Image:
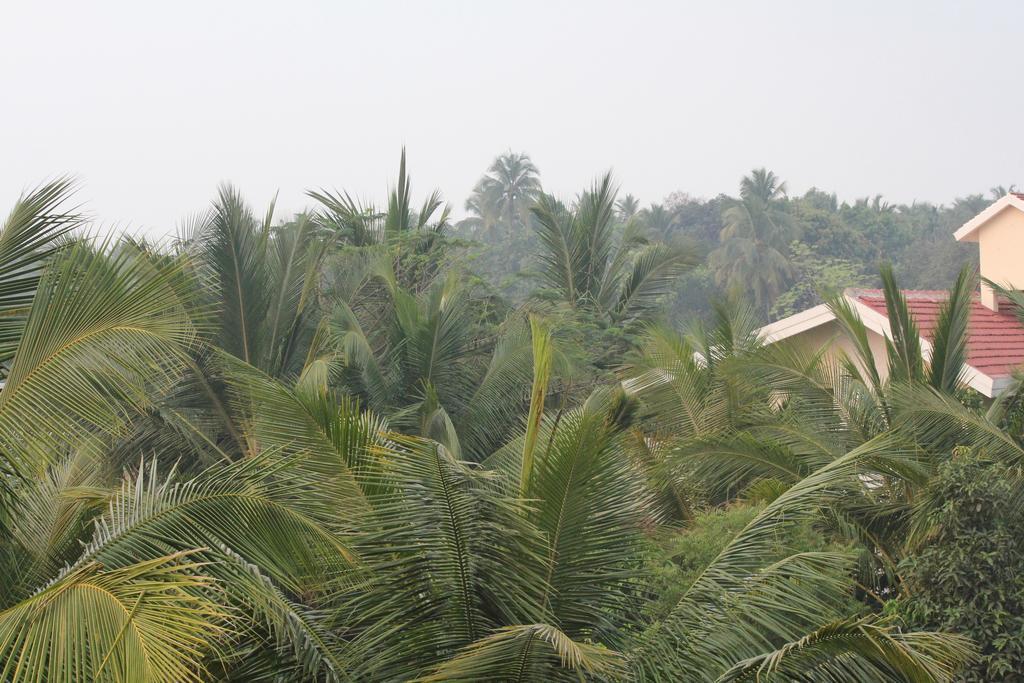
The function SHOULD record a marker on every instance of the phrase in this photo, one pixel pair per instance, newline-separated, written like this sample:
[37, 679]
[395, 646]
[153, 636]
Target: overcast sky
[152, 104]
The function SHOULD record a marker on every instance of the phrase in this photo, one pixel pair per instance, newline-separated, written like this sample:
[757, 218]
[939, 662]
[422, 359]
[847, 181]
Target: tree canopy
[333, 447]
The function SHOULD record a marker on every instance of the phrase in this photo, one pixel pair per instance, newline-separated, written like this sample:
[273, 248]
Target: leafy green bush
[967, 577]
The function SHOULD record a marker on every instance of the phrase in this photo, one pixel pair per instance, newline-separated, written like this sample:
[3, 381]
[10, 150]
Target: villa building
[995, 335]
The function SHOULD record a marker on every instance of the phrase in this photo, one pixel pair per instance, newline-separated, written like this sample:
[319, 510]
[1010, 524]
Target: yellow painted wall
[1001, 246]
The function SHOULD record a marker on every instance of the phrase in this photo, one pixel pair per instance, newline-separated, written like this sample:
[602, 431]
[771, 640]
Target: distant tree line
[779, 252]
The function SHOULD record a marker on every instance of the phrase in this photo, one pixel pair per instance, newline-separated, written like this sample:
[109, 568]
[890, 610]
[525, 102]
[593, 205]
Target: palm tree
[657, 218]
[762, 186]
[695, 397]
[497, 220]
[752, 258]
[584, 264]
[414, 238]
[506, 192]
[1000, 191]
[101, 326]
[254, 289]
[412, 341]
[627, 207]
[260, 279]
[362, 226]
[483, 215]
[425, 359]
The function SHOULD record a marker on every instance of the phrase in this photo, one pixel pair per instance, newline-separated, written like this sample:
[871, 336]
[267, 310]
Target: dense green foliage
[678, 557]
[966, 576]
[326, 449]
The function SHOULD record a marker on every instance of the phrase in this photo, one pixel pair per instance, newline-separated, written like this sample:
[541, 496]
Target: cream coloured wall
[1001, 247]
[830, 336]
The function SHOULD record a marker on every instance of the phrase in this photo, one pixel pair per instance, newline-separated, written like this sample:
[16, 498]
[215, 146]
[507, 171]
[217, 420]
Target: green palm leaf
[252, 507]
[451, 557]
[37, 227]
[497, 404]
[106, 328]
[232, 248]
[146, 621]
[525, 653]
[591, 503]
[652, 274]
[47, 517]
[906, 362]
[560, 258]
[949, 338]
[541, 337]
[325, 436]
[859, 650]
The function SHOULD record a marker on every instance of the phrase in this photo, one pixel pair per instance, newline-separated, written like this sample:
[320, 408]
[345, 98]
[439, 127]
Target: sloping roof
[968, 232]
[995, 341]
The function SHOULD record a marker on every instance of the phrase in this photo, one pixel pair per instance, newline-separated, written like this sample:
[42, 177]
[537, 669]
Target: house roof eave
[968, 232]
[796, 323]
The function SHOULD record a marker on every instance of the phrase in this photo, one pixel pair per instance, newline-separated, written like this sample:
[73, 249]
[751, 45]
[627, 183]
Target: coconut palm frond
[39, 225]
[528, 652]
[949, 338]
[859, 650]
[107, 327]
[150, 620]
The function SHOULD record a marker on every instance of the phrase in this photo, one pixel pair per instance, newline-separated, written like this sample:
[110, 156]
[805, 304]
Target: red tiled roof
[995, 341]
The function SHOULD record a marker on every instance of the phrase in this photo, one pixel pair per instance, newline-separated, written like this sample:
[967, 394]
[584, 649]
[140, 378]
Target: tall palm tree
[763, 186]
[752, 258]
[627, 207]
[585, 263]
[506, 192]
[425, 359]
[657, 218]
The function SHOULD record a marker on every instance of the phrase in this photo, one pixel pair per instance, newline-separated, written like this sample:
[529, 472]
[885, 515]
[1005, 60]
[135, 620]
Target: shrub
[966, 577]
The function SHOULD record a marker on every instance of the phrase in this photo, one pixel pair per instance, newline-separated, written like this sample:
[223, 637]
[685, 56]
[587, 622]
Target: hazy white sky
[152, 104]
